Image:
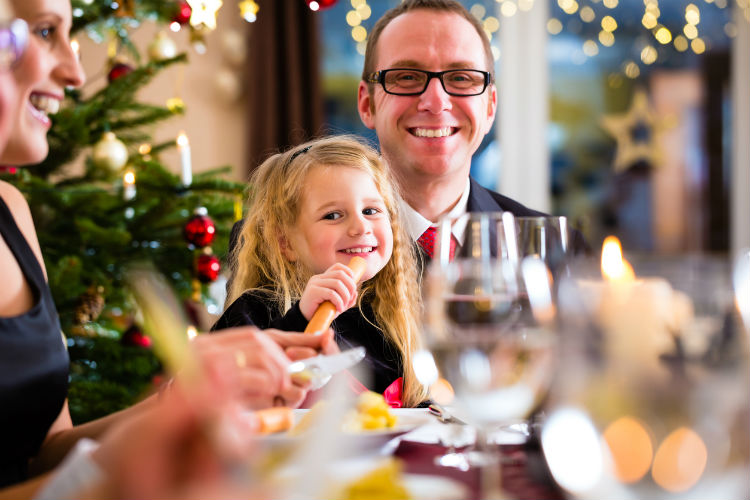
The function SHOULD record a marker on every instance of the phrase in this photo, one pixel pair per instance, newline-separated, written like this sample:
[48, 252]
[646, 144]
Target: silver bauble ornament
[162, 47]
[110, 152]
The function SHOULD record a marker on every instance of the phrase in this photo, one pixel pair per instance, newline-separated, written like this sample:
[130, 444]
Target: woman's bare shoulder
[19, 209]
[18, 206]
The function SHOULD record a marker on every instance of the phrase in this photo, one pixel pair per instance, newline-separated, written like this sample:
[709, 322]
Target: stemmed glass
[497, 365]
[546, 237]
[671, 407]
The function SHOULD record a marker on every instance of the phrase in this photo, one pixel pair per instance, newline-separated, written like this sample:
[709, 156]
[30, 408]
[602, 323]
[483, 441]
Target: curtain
[285, 105]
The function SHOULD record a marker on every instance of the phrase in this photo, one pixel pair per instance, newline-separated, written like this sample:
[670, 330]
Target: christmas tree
[123, 207]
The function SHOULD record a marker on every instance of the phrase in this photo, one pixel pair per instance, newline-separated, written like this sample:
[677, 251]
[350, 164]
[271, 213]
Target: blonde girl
[311, 209]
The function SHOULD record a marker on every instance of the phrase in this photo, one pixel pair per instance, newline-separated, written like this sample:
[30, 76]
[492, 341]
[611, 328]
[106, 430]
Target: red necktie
[427, 242]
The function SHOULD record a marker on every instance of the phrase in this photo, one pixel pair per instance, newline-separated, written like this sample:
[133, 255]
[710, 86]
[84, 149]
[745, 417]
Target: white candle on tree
[183, 145]
[128, 185]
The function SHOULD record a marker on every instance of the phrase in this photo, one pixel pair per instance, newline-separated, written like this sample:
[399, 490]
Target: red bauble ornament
[183, 13]
[118, 70]
[200, 231]
[207, 268]
[133, 336]
[316, 5]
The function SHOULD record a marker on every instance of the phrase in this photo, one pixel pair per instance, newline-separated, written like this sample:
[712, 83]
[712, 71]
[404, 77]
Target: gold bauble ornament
[161, 48]
[110, 152]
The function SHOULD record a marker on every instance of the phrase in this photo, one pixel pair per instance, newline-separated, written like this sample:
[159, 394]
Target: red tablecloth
[524, 472]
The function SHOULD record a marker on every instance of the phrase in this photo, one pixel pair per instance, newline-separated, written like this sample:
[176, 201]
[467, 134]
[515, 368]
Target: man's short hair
[450, 6]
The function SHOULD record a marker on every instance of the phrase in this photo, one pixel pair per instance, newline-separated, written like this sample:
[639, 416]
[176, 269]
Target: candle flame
[129, 177]
[182, 139]
[75, 46]
[614, 266]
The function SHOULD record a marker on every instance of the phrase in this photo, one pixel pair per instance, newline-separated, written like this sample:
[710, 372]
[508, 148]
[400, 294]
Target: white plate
[408, 419]
[428, 487]
[420, 486]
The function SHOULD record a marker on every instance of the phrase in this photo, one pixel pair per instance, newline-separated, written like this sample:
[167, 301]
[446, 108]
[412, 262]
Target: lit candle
[639, 316]
[128, 185]
[183, 145]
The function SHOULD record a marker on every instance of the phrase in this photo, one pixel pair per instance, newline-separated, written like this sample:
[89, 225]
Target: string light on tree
[128, 185]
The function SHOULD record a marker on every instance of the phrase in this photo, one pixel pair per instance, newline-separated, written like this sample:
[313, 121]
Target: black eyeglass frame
[379, 77]
[14, 37]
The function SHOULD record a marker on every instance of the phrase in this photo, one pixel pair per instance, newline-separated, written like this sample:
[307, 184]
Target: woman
[35, 425]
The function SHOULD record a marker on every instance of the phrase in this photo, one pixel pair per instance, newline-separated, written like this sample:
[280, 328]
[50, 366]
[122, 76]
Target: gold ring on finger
[240, 359]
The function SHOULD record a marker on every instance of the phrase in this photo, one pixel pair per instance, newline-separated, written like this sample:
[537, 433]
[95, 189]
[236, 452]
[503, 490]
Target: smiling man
[427, 90]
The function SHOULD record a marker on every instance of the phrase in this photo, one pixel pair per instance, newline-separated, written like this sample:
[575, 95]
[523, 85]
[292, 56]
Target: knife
[318, 370]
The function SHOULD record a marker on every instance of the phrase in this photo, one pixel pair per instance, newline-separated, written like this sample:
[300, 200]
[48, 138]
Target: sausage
[276, 419]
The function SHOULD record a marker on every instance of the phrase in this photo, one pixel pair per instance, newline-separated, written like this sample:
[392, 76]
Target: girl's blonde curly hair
[275, 195]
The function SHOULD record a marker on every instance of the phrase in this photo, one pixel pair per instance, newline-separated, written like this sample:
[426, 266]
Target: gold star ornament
[204, 13]
[635, 132]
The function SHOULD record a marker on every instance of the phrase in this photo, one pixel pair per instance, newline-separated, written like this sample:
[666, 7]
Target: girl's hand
[336, 285]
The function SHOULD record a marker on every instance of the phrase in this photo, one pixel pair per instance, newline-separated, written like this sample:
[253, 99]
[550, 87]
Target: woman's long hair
[276, 190]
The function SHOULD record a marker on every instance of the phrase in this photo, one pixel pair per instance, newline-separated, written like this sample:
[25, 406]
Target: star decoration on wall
[204, 13]
[635, 132]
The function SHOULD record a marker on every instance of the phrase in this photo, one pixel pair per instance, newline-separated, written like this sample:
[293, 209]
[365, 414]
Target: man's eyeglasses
[14, 36]
[408, 81]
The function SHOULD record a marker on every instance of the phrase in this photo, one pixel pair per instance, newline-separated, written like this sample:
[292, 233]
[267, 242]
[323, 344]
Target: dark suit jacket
[482, 199]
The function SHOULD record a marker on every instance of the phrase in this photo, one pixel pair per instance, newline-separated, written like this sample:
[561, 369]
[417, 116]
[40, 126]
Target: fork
[443, 415]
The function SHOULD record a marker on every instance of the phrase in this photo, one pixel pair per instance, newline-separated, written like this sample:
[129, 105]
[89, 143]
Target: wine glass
[672, 406]
[497, 365]
[546, 237]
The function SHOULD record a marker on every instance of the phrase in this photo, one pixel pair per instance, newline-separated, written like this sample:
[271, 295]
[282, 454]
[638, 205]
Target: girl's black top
[382, 362]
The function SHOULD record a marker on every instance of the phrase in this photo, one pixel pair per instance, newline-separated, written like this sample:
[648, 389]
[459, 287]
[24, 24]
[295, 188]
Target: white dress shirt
[416, 223]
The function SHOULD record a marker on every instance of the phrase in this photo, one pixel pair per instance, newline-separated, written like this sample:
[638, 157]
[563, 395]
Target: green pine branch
[82, 122]
[89, 233]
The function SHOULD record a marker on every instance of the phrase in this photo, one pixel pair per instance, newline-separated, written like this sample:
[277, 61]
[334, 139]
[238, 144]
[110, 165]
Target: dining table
[523, 470]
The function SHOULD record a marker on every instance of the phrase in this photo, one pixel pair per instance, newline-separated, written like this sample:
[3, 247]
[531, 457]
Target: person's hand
[253, 363]
[336, 285]
[179, 446]
[300, 346]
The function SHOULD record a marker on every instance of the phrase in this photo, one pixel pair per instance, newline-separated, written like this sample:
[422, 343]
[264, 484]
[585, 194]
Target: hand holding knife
[319, 369]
